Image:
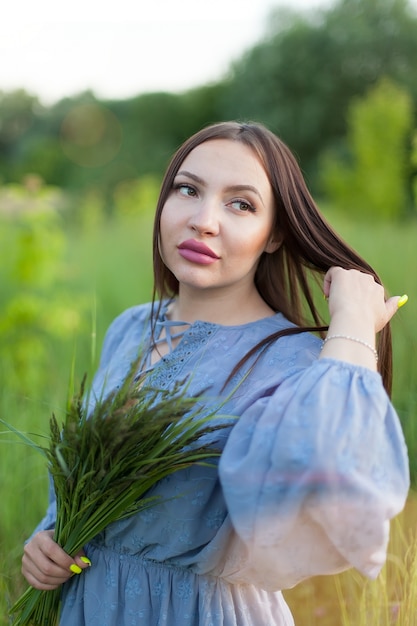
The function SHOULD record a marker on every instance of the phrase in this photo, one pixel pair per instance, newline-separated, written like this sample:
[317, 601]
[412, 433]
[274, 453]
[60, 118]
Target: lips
[197, 246]
[197, 252]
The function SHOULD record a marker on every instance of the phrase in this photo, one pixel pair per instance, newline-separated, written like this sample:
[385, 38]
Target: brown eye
[243, 206]
[186, 190]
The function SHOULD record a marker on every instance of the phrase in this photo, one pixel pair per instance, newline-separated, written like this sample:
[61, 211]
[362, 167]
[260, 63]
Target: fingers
[45, 565]
[326, 283]
[395, 303]
[355, 294]
[82, 560]
[402, 300]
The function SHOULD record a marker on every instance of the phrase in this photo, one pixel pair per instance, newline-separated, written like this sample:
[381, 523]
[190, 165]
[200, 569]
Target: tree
[374, 181]
[18, 110]
[300, 78]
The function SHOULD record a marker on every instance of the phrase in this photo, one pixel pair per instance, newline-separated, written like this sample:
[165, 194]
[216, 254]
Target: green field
[108, 267]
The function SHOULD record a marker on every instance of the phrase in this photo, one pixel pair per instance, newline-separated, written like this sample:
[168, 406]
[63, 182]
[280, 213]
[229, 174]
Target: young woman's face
[218, 218]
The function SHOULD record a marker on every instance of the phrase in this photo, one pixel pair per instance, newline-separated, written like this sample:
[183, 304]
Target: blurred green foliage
[300, 80]
[35, 308]
[414, 167]
[373, 180]
[136, 197]
[301, 77]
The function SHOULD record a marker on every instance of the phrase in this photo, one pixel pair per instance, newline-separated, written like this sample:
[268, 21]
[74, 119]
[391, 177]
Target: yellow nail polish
[403, 300]
[86, 560]
[75, 569]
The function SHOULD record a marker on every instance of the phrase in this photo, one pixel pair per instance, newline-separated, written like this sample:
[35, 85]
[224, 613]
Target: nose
[205, 218]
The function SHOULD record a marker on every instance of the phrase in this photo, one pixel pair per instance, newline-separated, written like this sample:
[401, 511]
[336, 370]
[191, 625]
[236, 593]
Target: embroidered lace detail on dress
[168, 337]
[182, 344]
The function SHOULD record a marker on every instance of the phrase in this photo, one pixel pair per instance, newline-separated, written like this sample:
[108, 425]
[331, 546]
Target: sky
[119, 50]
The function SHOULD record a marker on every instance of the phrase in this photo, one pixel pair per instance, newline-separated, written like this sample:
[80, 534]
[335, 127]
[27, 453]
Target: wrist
[351, 339]
[361, 326]
[357, 340]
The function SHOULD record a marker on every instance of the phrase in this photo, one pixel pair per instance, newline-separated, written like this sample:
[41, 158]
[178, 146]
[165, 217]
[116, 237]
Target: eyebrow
[199, 180]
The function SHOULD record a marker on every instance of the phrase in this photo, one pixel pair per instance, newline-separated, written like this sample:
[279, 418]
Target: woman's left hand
[357, 298]
[358, 310]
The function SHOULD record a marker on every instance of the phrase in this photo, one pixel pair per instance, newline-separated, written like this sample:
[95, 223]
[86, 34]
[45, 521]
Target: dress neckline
[164, 321]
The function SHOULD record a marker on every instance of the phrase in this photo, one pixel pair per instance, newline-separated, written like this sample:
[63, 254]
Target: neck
[219, 308]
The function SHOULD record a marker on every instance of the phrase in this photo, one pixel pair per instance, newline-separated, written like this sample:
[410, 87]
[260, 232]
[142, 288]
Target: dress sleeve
[312, 475]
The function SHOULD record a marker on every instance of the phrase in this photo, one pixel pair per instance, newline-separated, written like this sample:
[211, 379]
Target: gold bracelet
[361, 341]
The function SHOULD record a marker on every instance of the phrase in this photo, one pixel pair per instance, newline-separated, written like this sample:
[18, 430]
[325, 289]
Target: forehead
[226, 157]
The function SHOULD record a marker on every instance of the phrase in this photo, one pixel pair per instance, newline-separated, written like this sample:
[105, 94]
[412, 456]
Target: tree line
[303, 79]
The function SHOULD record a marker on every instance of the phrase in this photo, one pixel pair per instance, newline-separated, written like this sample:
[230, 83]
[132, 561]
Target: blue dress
[310, 475]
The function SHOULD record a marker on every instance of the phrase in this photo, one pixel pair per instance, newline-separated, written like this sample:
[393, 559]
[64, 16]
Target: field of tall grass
[108, 267]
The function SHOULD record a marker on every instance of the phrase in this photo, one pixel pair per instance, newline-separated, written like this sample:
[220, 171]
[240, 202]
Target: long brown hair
[309, 244]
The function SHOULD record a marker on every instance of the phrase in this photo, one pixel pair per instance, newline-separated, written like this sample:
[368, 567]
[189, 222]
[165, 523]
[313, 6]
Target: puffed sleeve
[312, 475]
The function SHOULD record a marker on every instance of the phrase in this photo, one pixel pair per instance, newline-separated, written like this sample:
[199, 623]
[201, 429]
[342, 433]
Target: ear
[273, 244]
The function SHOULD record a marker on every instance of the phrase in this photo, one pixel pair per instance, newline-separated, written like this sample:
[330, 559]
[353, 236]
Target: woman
[315, 466]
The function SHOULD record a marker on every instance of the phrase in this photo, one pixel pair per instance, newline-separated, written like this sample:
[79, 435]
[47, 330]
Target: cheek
[165, 225]
[168, 232]
[169, 218]
[255, 243]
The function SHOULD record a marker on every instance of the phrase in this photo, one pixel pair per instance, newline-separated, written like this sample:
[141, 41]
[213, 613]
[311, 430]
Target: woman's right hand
[45, 565]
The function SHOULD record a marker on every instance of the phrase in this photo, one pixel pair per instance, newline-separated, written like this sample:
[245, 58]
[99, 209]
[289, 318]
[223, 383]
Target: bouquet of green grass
[103, 464]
